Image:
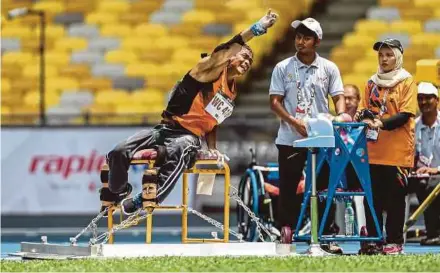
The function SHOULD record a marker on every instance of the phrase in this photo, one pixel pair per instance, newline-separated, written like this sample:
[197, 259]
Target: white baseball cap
[311, 24]
[427, 89]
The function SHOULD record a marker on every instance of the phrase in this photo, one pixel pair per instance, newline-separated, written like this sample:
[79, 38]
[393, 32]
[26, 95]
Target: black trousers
[181, 150]
[432, 213]
[291, 165]
[389, 191]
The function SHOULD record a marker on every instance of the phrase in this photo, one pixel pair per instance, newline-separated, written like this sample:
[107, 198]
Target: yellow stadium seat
[186, 56]
[240, 4]
[71, 43]
[437, 13]
[146, 6]
[17, 32]
[360, 80]
[428, 70]
[121, 56]
[428, 40]
[228, 16]
[50, 6]
[139, 43]
[366, 66]
[113, 6]
[371, 27]
[347, 54]
[78, 71]
[406, 26]
[20, 58]
[426, 3]
[12, 99]
[6, 85]
[139, 109]
[186, 29]
[116, 30]
[149, 96]
[162, 82]
[172, 42]
[420, 14]
[60, 83]
[58, 58]
[207, 43]
[95, 83]
[11, 70]
[100, 18]
[133, 18]
[159, 55]
[6, 110]
[141, 69]
[358, 40]
[33, 71]
[198, 17]
[209, 5]
[80, 6]
[111, 97]
[150, 30]
[33, 98]
[396, 3]
[52, 31]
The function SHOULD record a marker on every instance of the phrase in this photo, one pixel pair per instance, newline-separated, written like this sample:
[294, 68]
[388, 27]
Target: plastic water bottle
[349, 219]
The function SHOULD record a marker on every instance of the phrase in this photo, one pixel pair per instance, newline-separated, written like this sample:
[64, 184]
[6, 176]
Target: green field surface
[428, 262]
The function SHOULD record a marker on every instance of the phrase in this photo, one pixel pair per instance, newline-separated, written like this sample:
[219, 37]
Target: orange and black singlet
[199, 107]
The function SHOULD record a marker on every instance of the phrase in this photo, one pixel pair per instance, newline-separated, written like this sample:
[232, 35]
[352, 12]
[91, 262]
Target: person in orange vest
[199, 103]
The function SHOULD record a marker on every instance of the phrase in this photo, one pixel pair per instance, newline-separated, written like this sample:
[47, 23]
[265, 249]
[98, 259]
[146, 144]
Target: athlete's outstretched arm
[222, 53]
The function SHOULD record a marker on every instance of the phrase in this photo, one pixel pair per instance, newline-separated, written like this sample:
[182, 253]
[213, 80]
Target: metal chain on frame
[251, 214]
[92, 225]
[135, 218]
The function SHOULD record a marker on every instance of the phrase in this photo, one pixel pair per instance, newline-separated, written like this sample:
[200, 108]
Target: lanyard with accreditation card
[304, 107]
[373, 134]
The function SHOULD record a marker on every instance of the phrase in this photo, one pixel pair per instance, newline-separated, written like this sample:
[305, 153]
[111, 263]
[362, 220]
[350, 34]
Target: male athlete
[201, 101]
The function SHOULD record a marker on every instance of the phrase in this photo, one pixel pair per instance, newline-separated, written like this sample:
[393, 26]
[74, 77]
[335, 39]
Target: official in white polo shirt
[428, 156]
[299, 89]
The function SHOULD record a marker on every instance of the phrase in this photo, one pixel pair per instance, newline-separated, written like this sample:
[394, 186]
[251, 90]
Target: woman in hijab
[388, 107]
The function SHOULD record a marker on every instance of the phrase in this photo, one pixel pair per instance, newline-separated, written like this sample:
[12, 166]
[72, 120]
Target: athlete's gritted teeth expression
[241, 62]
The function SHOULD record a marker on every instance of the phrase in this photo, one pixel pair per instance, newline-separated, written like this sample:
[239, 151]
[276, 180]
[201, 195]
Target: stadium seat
[33, 98]
[134, 18]
[121, 57]
[198, 17]
[51, 31]
[76, 98]
[429, 40]
[10, 44]
[11, 31]
[104, 43]
[432, 26]
[83, 30]
[383, 13]
[71, 43]
[371, 27]
[437, 52]
[111, 97]
[95, 84]
[358, 40]
[33, 71]
[78, 71]
[6, 86]
[366, 66]
[396, 3]
[60, 83]
[11, 70]
[420, 14]
[116, 30]
[20, 58]
[86, 57]
[49, 6]
[108, 70]
[141, 69]
[360, 80]
[99, 18]
[148, 96]
[426, 3]
[148, 30]
[406, 26]
[179, 6]
[138, 44]
[57, 58]
[113, 6]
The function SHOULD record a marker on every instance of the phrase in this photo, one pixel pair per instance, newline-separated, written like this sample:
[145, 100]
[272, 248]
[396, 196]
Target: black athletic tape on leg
[161, 155]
